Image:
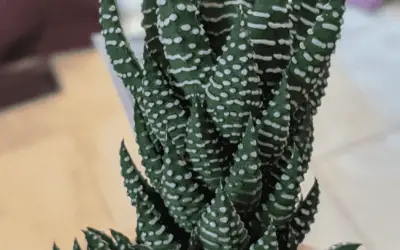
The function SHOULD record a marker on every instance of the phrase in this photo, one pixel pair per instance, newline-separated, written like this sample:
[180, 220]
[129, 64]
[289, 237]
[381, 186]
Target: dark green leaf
[345, 246]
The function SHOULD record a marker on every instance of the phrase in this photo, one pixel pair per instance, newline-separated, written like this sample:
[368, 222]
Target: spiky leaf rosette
[269, 27]
[314, 52]
[163, 109]
[185, 44]
[233, 93]
[273, 131]
[181, 136]
[204, 148]
[267, 241]
[220, 226]
[150, 229]
[244, 183]
[181, 193]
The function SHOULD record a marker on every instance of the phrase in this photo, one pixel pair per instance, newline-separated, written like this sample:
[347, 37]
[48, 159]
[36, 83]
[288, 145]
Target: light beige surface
[60, 171]
[59, 161]
[365, 182]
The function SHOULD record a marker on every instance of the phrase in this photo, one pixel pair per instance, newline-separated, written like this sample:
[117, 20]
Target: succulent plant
[224, 100]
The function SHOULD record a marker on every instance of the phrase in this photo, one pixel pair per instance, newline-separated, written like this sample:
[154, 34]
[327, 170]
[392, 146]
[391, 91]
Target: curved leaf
[244, 183]
[204, 148]
[304, 216]
[118, 48]
[233, 93]
[162, 108]
[182, 195]
[150, 230]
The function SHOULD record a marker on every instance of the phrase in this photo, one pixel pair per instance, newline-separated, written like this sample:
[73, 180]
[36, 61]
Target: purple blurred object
[366, 4]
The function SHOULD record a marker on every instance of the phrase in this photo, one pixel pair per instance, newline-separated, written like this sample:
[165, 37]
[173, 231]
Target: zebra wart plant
[224, 101]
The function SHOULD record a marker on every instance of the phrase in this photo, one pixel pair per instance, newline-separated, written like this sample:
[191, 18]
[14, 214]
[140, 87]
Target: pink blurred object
[366, 4]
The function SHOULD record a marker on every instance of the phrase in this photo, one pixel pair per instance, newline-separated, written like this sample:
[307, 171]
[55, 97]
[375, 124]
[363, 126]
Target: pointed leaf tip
[221, 225]
[345, 246]
[55, 247]
[269, 240]
[76, 245]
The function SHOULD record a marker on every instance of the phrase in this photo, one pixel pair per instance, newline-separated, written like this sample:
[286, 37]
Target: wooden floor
[59, 169]
[59, 160]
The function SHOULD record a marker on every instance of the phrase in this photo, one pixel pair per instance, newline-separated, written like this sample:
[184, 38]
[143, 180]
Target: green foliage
[224, 105]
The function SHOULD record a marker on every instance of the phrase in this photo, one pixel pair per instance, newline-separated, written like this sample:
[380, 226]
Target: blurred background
[63, 114]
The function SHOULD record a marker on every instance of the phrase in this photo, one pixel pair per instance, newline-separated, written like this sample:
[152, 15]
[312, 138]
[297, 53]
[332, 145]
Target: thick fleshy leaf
[217, 18]
[181, 193]
[267, 241]
[244, 183]
[104, 237]
[150, 149]
[220, 226]
[185, 44]
[150, 229]
[305, 13]
[118, 49]
[134, 182]
[76, 245]
[303, 135]
[269, 27]
[137, 186]
[294, 16]
[345, 246]
[95, 242]
[55, 247]
[162, 108]
[204, 147]
[304, 216]
[314, 52]
[319, 89]
[283, 200]
[273, 131]
[233, 93]
[121, 241]
[151, 40]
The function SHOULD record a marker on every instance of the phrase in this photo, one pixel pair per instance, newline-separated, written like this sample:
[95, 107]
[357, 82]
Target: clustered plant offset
[224, 99]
